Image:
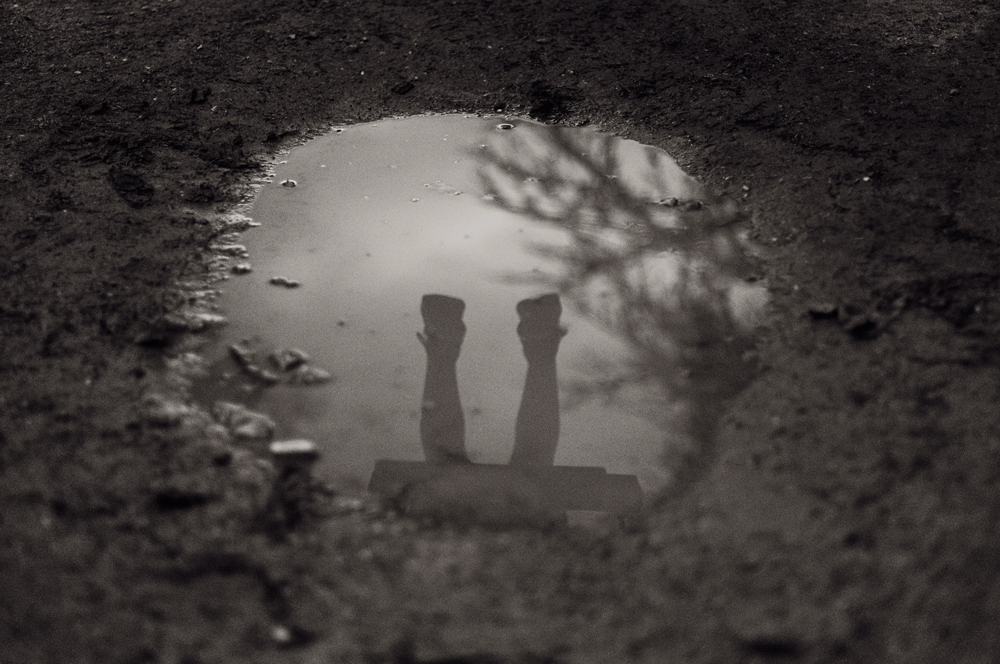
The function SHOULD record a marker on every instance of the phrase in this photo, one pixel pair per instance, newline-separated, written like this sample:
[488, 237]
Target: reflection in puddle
[517, 322]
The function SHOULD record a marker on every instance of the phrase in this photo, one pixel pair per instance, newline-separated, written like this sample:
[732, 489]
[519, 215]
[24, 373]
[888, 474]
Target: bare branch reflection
[650, 257]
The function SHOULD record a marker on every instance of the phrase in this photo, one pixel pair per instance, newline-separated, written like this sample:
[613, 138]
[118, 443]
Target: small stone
[197, 321]
[289, 183]
[692, 205]
[247, 359]
[505, 126]
[669, 202]
[307, 375]
[284, 281]
[224, 411]
[287, 359]
[163, 411]
[242, 268]
[296, 451]
[242, 353]
[236, 222]
[281, 634]
[243, 422]
[237, 250]
[262, 374]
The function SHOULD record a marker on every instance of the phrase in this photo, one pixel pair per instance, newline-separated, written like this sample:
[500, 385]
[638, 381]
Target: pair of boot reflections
[530, 489]
[442, 423]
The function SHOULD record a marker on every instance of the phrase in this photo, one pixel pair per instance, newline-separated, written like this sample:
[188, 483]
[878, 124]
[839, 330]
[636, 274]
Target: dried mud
[861, 138]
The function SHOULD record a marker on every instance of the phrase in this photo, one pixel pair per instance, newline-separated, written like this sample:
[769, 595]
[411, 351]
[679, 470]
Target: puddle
[489, 316]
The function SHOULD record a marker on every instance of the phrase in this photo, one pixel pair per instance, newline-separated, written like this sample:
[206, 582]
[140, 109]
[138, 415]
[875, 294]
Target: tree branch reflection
[648, 255]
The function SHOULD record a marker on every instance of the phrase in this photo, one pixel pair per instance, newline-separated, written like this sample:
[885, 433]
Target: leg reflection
[530, 490]
[442, 424]
[536, 433]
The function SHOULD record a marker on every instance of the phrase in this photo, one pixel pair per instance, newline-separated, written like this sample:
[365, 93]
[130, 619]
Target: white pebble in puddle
[293, 451]
[370, 256]
[237, 250]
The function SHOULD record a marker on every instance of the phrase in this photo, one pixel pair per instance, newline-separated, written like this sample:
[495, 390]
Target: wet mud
[840, 503]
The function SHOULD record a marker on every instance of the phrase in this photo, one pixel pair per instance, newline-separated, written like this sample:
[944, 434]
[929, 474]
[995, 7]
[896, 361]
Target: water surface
[524, 225]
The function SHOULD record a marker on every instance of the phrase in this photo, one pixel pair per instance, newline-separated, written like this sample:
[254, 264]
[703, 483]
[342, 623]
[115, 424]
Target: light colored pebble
[284, 281]
[243, 422]
[281, 634]
[159, 409]
[307, 375]
[237, 250]
[194, 321]
[294, 451]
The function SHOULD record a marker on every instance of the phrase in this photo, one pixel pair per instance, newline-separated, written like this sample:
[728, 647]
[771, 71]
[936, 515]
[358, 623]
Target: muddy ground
[866, 135]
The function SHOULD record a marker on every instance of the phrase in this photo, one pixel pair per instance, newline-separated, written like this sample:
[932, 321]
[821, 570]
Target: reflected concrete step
[555, 487]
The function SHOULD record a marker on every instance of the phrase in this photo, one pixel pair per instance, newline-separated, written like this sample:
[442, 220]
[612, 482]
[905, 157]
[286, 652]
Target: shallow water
[649, 272]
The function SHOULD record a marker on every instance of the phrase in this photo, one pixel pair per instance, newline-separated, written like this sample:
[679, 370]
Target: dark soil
[861, 137]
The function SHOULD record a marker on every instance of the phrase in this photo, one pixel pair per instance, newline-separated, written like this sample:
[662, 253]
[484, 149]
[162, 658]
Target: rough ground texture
[133, 528]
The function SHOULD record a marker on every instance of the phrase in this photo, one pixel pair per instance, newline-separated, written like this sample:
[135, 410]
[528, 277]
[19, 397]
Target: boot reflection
[442, 424]
[536, 433]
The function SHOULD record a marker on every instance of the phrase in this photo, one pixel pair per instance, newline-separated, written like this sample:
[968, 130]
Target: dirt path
[862, 139]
